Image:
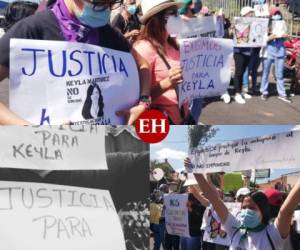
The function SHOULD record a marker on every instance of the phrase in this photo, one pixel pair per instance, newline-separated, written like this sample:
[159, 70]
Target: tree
[199, 135]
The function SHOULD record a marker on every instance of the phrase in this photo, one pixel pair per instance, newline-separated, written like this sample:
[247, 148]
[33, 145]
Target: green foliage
[199, 135]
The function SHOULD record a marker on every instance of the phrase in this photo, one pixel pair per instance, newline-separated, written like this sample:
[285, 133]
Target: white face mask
[276, 17]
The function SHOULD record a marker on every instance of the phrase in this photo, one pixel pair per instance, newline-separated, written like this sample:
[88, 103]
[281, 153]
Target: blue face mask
[131, 9]
[249, 218]
[276, 17]
[92, 18]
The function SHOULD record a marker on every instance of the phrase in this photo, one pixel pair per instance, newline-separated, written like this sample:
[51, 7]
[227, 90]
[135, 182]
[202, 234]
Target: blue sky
[175, 146]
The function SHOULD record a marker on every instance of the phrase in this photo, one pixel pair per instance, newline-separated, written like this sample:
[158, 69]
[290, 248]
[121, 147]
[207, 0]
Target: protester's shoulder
[34, 26]
[231, 224]
[39, 20]
[145, 48]
[118, 18]
[274, 233]
[113, 39]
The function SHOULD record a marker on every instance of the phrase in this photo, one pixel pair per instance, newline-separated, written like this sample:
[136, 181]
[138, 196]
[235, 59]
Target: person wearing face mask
[162, 53]
[274, 53]
[190, 8]
[84, 21]
[241, 59]
[252, 230]
[127, 21]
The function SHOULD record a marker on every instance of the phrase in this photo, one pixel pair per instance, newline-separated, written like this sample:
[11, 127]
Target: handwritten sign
[250, 32]
[53, 148]
[176, 214]
[279, 28]
[208, 26]
[206, 67]
[44, 216]
[52, 82]
[214, 231]
[274, 151]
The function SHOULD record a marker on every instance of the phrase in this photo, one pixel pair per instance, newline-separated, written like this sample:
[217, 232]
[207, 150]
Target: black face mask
[197, 8]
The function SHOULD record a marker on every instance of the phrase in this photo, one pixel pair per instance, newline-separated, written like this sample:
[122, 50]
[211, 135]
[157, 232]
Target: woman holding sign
[84, 21]
[162, 53]
[252, 230]
[275, 53]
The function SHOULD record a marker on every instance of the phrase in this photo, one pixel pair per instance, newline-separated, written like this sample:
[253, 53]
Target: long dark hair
[86, 110]
[154, 32]
[261, 201]
[18, 10]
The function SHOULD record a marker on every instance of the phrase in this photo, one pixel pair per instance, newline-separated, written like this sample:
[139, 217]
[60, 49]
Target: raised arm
[145, 81]
[283, 220]
[201, 198]
[210, 194]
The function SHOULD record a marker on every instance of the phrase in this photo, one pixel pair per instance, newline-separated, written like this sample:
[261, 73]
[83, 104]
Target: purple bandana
[71, 27]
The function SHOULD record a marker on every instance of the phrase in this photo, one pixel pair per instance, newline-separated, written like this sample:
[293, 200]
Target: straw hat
[152, 7]
[246, 10]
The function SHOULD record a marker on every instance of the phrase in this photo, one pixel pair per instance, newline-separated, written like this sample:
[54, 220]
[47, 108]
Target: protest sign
[53, 148]
[176, 214]
[279, 28]
[45, 216]
[250, 32]
[214, 232]
[274, 151]
[208, 26]
[206, 67]
[261, 10]
[52, 82]
[262, 173]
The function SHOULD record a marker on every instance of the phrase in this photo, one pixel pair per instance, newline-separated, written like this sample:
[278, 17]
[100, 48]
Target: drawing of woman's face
[95, 96]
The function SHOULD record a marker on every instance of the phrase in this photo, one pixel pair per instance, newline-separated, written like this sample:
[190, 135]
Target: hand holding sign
[175, 76]
[132, 114]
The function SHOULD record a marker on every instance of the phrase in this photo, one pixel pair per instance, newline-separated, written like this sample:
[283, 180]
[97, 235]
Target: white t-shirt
[254, 241]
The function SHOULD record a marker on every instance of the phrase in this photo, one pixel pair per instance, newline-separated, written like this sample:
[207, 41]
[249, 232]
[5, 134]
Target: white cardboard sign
[206, 67]
[208, 26]
[43, 216]
[53, 82]
[274, 151]
[176, 214]
[250, 32]
[53, 147]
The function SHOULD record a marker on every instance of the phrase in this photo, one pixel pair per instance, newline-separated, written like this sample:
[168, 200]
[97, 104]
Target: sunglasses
[104, 5]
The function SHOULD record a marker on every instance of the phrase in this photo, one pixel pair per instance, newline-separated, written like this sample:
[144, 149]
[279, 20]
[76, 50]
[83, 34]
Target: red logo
[152, 126]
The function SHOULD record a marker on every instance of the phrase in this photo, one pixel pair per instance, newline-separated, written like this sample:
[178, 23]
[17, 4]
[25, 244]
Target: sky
[175, 146]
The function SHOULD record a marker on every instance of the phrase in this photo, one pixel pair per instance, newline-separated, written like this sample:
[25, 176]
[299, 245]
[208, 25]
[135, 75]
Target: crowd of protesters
[139, 27]
[263, 222]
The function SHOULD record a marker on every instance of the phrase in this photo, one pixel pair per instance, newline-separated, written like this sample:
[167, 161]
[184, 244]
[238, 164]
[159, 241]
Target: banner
[207, 26]
[53, 147]
[53, 82]
[176, 214]
[250, 32]
[43, 216]
[206, 67]
[214, 231]
[275, 151]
